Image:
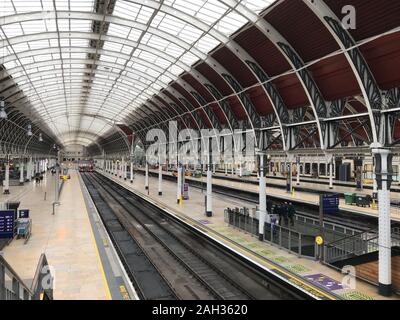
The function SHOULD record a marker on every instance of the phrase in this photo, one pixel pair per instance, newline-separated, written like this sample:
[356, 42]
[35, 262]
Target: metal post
[21, 172]
[262, 199]
[146, 178]
[15, 288]
[178, 184]
[28, 170]
[125, 170]
[131, 168]
[6, 182]
[298, 171]
[375, 185]
[331, 174]
[383, 163]
[159, 178]
[321, 224]
[209, 180]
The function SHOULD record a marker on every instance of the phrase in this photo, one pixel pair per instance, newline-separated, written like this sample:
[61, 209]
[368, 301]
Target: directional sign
[7, 220]
[23, 213]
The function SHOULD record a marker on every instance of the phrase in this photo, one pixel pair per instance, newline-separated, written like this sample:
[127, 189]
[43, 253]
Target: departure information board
[330, 203]
[7, 219]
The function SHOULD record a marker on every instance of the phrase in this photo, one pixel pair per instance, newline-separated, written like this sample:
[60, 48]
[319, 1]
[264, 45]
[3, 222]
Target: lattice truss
[78, 69]
[86, 65]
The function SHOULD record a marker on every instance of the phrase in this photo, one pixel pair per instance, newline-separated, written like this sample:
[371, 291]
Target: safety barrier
[298, 243]
[13, 288]
[357, 245]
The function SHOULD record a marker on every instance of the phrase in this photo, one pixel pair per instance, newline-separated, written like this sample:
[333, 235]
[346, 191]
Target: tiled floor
[194, 209]
[66, 238]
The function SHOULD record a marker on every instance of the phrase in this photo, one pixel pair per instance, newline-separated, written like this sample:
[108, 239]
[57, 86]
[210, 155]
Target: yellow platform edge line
[230, 244]
[103, 274]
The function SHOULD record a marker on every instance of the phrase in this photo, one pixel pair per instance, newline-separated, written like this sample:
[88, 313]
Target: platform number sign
[7, 219]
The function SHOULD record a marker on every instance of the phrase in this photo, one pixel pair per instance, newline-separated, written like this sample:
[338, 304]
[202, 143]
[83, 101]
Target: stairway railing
[357, 245]
[12, 287]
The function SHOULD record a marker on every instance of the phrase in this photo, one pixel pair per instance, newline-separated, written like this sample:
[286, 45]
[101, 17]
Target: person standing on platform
[269, 206]
[291, 213]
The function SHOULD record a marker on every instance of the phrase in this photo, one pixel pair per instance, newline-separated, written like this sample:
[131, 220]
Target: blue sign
[330, 203]
[7, 224]
[23, 213]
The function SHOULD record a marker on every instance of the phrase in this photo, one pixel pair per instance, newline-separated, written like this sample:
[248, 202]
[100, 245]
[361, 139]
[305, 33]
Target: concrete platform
[298, 196]
[267, 256]
[67, 239]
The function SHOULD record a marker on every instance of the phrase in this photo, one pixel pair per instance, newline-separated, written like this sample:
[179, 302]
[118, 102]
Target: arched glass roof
[85, 65]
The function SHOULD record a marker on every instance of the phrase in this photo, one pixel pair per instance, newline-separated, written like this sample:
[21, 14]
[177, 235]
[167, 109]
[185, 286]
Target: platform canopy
[91, 72]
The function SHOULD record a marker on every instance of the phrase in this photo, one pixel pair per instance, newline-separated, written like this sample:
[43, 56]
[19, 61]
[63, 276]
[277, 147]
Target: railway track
[190, 266]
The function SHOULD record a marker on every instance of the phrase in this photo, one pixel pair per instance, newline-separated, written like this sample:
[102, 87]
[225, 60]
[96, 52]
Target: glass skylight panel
[231, 23]
[257, 5]
[80, 25]
[39, 44]
[12, 30]
[125, 9]
[6, 8]
[26, 5]
[206, 43]
[32, 27]
[118, 30]
[79, 5]
[189, 58]
[175, 70]
[144, 15]
[134, 35]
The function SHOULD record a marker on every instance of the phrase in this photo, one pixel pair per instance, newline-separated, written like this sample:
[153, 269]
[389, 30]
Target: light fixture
[40, 137]
[29, 133]
[3, 113]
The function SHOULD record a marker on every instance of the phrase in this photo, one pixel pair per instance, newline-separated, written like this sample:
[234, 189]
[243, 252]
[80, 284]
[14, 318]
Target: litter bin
[363, 200]
[350, 198]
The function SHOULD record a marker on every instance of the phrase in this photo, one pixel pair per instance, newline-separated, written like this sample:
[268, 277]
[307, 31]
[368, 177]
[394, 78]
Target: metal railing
[13, 288]
[286, 238]
[357, 245]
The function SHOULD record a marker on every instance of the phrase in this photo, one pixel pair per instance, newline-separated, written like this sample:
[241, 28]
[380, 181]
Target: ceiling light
[3, 113]
[40, 137]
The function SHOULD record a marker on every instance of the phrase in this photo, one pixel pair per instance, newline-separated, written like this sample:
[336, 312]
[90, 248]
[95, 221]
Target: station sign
[185, 193]
[7, 221]
[24, 213]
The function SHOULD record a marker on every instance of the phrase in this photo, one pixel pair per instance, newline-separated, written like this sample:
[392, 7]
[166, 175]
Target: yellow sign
[319, 240]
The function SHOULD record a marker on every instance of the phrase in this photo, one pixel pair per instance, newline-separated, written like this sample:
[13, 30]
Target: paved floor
[66, 238]
[193, 209]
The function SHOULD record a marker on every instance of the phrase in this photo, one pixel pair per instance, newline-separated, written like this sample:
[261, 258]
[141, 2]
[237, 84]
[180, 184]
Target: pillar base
[209, 214]
[125, 179]
[6, 192]
[385, 290]
[21, 183]
[261, 237]
[330, 188]
[178, 201]
[146, 188]
[131, 181]
[160, 193]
